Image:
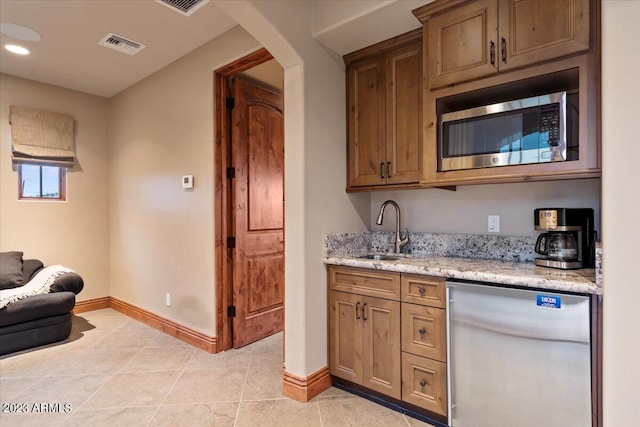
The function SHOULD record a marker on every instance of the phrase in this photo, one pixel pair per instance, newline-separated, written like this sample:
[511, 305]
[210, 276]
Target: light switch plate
[187, 181]
[494, 223]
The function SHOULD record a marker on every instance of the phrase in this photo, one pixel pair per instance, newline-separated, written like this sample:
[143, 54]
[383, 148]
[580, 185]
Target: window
[41, 182]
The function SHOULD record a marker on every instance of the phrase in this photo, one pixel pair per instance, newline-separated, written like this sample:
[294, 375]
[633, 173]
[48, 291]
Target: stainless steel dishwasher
[517, 357]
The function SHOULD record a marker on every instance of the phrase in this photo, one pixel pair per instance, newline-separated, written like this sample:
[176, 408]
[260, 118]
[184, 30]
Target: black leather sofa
[37, 319]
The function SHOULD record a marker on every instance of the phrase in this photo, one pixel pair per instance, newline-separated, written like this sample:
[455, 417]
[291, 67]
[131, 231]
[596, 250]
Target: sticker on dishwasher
[549, 301]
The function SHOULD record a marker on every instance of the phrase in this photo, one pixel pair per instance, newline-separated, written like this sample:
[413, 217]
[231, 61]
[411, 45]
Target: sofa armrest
[71, 282]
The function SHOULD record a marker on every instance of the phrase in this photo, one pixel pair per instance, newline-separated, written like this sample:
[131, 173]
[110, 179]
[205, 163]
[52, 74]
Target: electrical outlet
[168, 300]
[494, 223]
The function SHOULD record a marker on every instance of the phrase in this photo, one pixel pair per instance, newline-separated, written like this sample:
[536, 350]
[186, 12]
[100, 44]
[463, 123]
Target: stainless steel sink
[377, 257]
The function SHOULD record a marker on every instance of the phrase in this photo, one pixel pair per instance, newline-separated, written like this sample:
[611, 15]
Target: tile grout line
[170, 388]
[244, 384]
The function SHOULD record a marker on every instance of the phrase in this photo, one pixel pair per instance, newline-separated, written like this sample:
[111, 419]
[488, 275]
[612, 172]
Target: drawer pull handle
[357, 308]
[364, 313]
[423, 383]
[421, 291]
[421, 331]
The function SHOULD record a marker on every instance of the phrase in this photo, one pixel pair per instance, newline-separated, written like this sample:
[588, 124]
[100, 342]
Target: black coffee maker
[568, 238]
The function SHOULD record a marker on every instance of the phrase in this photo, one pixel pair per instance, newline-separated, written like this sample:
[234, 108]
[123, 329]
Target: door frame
[222, 194]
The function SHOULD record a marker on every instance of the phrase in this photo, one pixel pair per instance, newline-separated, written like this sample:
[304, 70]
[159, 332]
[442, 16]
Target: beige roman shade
[41, 137]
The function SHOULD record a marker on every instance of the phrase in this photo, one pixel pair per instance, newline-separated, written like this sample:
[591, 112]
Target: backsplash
[504, 248]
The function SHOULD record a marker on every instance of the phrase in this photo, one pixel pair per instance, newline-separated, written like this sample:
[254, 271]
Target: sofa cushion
[11, 270]
[30, 267]
[36, 307]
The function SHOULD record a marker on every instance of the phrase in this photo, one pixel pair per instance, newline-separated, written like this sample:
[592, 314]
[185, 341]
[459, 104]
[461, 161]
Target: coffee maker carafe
[568, 238]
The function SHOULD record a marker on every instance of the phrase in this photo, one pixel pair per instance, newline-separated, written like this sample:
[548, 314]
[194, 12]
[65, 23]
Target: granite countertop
[525, 274]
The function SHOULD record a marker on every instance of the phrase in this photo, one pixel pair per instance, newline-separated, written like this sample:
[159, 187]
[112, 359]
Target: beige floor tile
[97, 361]
[28, 365]
[334, 392]
[133, 389]
[104, 319]
[165, 340]
[62, 391]
[128, 338]
[416, 423]
[227, 359]
[10, 387]
[263, 383]
[32, 419]
[195, 415]
[278, 413]
[208, 386]
[348, 411]
[270, 344]
[130, 417]
[158, 359]
[266, 359]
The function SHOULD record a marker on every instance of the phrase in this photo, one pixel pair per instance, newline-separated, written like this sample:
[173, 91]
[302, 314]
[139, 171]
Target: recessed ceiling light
[19, 32]
[16, 49]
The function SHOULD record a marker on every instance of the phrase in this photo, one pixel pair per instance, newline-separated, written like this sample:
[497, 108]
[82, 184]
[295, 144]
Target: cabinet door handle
[492, 52]
[388, 169]
[357, 308]
[421, 331]
[364, 313]
[423, 383]
[381, 172]
[503, 50]
[421, 291]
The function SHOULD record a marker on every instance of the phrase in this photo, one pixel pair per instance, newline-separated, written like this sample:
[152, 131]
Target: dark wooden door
[258, 211]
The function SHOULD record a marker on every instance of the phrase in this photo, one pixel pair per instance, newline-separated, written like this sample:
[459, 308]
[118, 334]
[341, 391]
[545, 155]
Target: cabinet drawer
[423, 290]
[424, 331]
[367, 282]
[424, 383]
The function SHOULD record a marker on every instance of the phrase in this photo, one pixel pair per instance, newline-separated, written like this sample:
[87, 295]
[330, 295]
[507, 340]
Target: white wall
[465, 210]
[74, 233]
[620, 207]
[315, 168]
[162, 236]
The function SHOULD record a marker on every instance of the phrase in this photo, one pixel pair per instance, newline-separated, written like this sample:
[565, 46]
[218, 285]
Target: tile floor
[115, 371]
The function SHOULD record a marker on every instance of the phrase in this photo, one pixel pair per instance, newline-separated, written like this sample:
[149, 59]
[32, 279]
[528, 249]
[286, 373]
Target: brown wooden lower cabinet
[387, 345]
[364, 341]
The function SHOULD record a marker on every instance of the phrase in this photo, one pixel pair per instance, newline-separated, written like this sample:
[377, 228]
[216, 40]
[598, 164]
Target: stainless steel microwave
[532, 130]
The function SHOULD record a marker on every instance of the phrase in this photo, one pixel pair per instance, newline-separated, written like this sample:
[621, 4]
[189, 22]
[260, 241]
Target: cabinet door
[462, 43]
[381, 346]
[404, 112]
[366, 119]
[532, 30]
[345, 336]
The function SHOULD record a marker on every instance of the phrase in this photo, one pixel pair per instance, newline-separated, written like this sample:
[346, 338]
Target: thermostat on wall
[187, 181]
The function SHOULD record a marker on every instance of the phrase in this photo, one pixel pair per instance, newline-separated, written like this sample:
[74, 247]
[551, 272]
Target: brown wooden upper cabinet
[384, 102]
[467, 40]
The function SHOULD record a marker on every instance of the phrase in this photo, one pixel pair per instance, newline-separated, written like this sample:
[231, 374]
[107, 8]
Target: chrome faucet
[400, 242]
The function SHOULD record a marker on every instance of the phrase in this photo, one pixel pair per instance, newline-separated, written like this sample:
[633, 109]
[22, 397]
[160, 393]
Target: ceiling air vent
[121, 44]
[185, 7]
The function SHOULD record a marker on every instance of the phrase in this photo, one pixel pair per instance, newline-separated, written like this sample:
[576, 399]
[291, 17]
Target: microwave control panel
[550, 123]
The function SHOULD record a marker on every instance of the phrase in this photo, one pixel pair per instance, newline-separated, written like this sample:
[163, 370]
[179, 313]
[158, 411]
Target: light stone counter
[481, 270]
